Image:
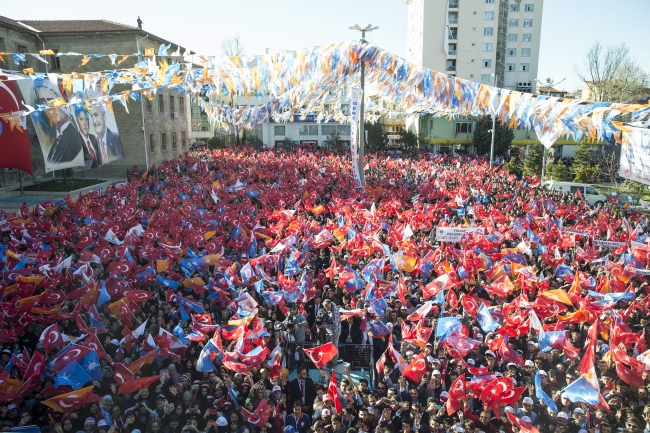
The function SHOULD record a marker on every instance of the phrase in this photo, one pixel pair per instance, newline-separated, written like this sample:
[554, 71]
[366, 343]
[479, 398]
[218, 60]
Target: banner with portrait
[80, 135]
[635, 155]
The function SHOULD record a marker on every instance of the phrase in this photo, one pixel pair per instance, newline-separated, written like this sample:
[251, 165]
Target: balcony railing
[453, 4]
[451, 68]
[452, 52]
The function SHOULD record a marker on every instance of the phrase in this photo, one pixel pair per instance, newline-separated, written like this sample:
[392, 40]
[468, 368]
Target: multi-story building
[489, 41]
[152, 131]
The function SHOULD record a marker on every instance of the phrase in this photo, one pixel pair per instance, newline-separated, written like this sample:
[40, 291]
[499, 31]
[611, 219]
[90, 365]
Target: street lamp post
[494, 126]
[549, 84]
[362, 132]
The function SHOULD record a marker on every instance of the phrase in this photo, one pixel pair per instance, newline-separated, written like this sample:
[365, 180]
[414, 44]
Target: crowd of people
[217, 292]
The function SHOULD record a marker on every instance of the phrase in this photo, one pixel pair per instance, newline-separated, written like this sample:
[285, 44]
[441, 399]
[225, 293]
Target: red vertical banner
[14, 142]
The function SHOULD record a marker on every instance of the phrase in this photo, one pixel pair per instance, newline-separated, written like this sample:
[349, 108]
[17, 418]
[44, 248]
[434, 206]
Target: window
[489, 2]
[163, 141]
[172, 103]
[161, 103]
[525, 52]
[329, 129]
[149, 105]
[174, 143]
[514, 8]
[574, 189]
[486, 78]
[278, 130]
[463, 127]
[512, 52]
[183, 138]
[591, 191]
[513, 23]
[528, 23]
[527, 37]
[489, 15]
[524, 67]
[487, 47]
[529, 8]
[511, 67]
[152, 143]
[488, 31]
[22, 50]
[512, 37]
[2, 44]
[309, 130]
[181, 104]
[487, 63]
[54, 61]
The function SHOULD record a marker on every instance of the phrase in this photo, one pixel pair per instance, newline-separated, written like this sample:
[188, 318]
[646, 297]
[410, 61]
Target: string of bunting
[314, 81]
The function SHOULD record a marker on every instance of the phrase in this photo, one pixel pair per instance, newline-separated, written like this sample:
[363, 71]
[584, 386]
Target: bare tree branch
[233, 47]
[611, 75]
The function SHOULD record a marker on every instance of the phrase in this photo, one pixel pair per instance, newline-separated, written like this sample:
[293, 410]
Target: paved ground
[11, 200]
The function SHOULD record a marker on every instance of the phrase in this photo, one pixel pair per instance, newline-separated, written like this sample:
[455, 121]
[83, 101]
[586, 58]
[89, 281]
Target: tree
[512, 166]
[334, 141]
[534, 160]
[557, 171]
[612, 75]
[233, 47]
[287, 144]
[216, 143]
[408, 139]
[255, 142]
[583, 167]
[482, 138]
[376, 136]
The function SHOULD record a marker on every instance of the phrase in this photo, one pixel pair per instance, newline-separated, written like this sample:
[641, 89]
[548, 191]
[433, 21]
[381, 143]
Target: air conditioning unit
[175, 115]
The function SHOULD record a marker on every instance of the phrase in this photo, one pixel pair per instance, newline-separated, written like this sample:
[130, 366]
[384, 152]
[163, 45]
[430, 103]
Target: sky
[569, 27]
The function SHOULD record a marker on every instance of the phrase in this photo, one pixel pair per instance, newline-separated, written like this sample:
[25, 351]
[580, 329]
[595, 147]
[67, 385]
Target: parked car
[591, 194]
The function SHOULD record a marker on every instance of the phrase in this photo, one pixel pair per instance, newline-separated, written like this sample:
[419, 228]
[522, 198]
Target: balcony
[453, 36]
[453, 5]
[451, 68]
[452, 52]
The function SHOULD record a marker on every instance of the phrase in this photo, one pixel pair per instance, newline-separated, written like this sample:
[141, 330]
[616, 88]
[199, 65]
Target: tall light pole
[549, 84]
[362, 129]
[494, 126]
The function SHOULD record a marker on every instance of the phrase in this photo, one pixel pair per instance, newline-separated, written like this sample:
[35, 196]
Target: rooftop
[76, 26]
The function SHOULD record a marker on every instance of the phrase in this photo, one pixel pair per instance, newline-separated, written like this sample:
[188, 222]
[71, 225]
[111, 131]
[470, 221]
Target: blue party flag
[551, 339]
[485, 319]
[581, 391]
[72, 374]
[378, 328]
[103, 295]
[91, 365]
[167, 283]
[446, 325]
[204, 363]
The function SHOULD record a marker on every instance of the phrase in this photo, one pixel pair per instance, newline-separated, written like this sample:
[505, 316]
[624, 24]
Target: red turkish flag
[74, 353]
[36, 366]
[457, 393]
[512, 397]
[523, 426]
[137, 384]
[72, 401]
[93, 342]
[321, 355]
[416, 369]
[260, 416]
[51, 338]
[494, 391]
[333, 391]
[138, 296]
[14, 142]
[430, 290]
[122, 374]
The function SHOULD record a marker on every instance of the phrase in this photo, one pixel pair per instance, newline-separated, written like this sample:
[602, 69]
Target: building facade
[153, 130]
[495, 42]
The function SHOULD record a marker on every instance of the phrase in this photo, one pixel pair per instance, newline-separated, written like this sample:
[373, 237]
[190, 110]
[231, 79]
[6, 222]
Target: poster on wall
[635, 155]
[14, 142]
[79, 136]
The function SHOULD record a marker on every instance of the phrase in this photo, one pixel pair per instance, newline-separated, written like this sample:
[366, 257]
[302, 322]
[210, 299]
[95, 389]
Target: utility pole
[362, 132]
[549, 84]
[494, 125]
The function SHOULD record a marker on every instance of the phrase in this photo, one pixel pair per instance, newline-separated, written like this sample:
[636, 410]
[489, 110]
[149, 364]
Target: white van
[593, 197]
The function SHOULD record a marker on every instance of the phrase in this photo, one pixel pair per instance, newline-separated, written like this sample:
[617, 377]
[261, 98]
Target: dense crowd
[183, 301]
